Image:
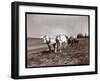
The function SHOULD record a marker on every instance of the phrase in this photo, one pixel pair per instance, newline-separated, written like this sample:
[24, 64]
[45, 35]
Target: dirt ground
[72, 55]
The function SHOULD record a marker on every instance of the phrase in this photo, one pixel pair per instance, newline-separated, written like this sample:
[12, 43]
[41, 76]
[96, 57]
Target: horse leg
[66, 45]
[63, 45]
[57, 46]
[72, 43]
[54, 45]
[49, 47]
[60, 47]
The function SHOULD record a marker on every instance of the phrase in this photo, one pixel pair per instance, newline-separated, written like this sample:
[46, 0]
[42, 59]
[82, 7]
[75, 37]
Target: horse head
[46, 39]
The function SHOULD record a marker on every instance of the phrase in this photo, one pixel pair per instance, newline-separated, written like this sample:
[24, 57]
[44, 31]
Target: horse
[61, 41]
[73, 41]
[76, 41]
[50, 41]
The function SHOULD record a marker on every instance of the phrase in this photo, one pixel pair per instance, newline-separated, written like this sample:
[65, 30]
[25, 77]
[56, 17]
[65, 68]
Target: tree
[80, 35]
[86, 36]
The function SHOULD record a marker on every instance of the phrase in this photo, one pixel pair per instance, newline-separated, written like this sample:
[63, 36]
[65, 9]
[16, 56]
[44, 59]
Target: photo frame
[38, 27]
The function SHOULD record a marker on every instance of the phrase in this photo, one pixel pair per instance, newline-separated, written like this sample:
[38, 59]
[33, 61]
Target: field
[39, 55]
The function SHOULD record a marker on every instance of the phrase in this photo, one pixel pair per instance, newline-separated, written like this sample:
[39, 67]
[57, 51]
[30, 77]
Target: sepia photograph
[52, 40]
[56, 40]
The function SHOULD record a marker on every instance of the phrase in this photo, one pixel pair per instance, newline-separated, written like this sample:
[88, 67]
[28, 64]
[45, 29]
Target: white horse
[50, 41]
[62, 42]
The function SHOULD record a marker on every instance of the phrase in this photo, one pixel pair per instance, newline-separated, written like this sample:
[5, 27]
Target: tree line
[80, 35]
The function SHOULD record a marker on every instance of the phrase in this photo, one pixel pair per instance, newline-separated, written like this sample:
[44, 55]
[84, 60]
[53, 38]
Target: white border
[53, 70]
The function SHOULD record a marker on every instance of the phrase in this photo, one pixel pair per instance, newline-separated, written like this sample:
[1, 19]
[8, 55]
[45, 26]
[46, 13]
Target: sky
[39, 25]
